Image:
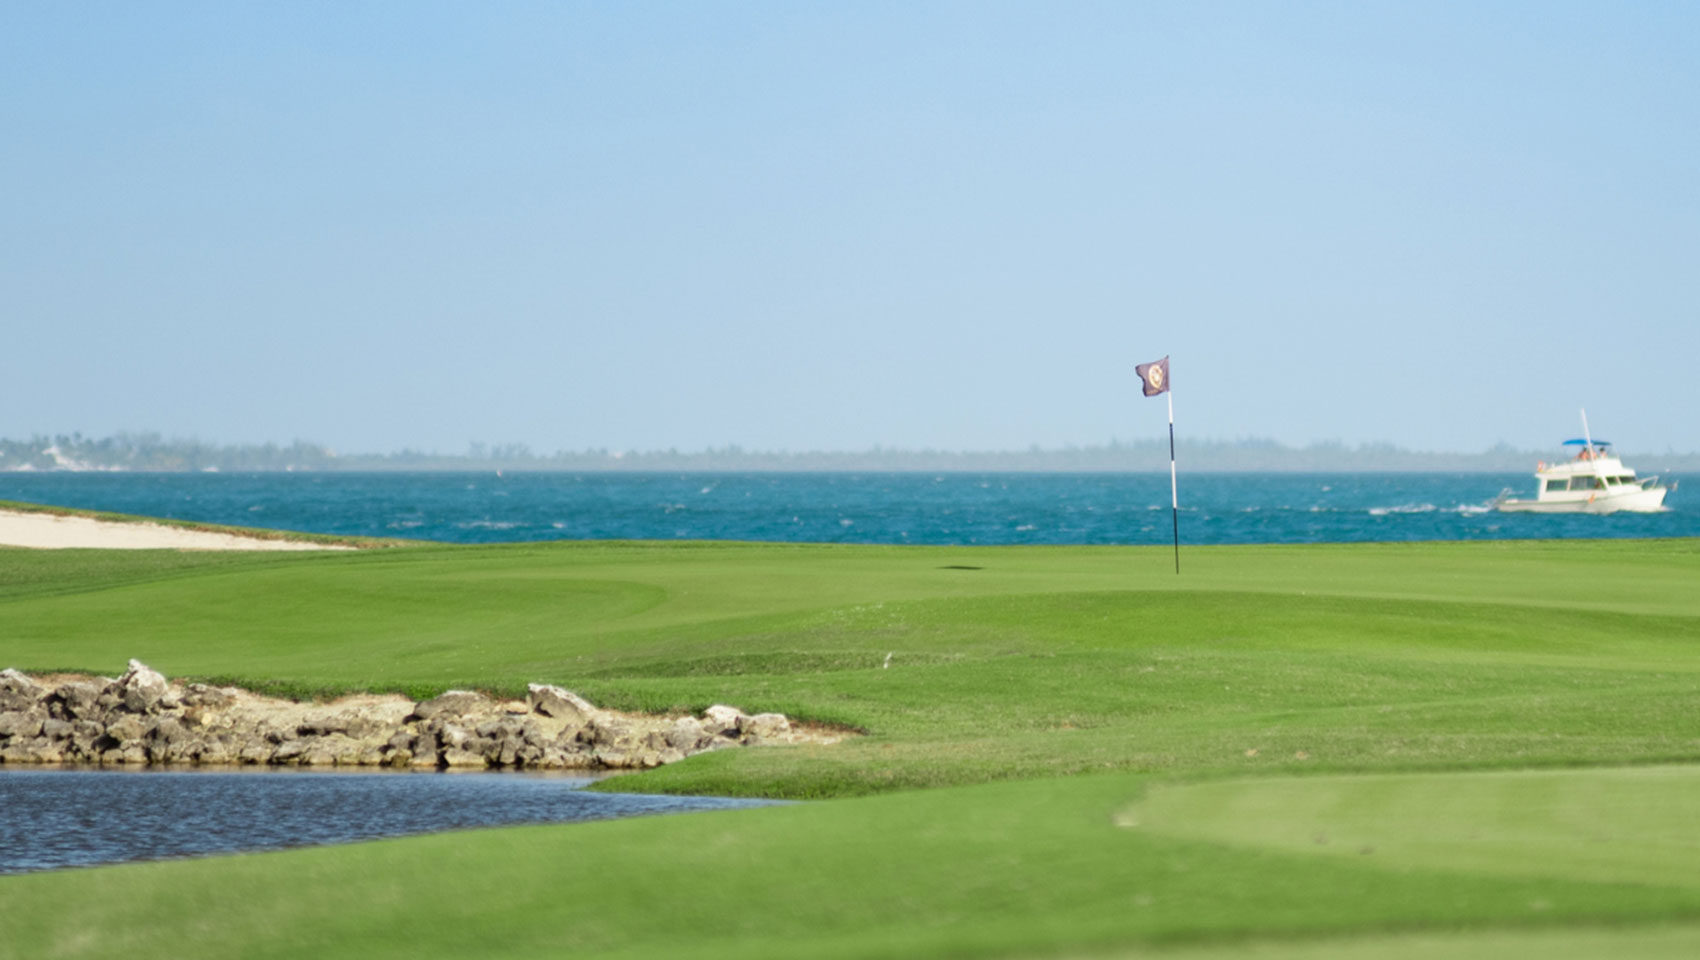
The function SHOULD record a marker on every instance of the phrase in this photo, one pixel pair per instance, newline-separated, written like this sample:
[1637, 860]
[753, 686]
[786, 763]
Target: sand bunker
[49, 532]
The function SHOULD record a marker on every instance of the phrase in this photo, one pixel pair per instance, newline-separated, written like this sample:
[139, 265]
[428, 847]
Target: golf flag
[1154, 376]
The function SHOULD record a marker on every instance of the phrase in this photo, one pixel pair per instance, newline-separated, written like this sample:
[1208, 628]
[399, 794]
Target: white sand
[49, 532]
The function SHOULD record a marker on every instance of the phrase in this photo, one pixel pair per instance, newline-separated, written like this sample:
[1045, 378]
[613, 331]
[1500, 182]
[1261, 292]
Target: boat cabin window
[1555, 486]
[1584, 483]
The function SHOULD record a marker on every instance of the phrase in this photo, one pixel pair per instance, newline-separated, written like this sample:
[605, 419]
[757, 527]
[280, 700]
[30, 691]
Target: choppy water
[72, 818]
[955, 508]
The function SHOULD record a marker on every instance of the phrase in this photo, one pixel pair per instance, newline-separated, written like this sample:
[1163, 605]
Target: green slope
[1000, 870]
[1047, 693]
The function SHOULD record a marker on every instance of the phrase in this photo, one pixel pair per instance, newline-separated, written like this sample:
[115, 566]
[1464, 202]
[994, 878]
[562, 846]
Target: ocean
[946, 508]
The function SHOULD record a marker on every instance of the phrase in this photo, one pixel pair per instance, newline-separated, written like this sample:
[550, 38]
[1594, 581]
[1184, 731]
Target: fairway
[1068, 751]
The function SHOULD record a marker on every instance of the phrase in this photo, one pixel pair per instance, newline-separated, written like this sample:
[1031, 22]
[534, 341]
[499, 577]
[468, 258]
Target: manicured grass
[1016, 869]
[1045, 661]
[1618, 825]
[1232, 713]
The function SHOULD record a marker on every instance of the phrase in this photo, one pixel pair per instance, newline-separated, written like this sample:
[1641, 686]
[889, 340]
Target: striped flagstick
[1174, 489]
[1154, 378]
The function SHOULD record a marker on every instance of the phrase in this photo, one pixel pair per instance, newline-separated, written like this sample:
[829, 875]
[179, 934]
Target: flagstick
[1174, 493]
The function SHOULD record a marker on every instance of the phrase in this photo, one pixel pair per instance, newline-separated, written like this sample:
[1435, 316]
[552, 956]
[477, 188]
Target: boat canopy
[1583, 443]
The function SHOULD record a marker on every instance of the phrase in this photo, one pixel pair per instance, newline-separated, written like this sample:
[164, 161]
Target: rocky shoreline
[141, 718]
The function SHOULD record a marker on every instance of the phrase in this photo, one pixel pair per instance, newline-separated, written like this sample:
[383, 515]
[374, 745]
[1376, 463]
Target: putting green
[1625, 825]
[1658, 942]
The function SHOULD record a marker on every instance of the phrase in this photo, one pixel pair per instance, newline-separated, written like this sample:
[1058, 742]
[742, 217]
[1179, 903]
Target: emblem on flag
[1154, 376]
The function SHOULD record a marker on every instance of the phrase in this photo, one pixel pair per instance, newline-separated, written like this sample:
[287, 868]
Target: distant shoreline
[151, 453]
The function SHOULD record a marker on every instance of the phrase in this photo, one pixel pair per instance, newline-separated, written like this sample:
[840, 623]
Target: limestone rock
[76, 700]
[85, 734]
[203, 695]
[426, 745]
[687, 734]
[18, 725]
[18, 692]
[721, 719]
[454, 736]
[764, 726]
[291, 751]
[255, 751]
[212, 751]
[140, 689]
[129, 727]
[169, 730]
[318, 754]
[140, 718]
[180, 750]
[612, 758]
[360, 726]
[32, 750]
[322, 726]
[553, 701]
[124, 754]
[454, 703]
[613, 732]
[459, 757]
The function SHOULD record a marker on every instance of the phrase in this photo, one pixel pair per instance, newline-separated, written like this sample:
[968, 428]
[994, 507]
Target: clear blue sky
[829, 226]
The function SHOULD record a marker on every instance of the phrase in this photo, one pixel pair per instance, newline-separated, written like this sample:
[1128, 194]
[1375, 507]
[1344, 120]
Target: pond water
[51, 819]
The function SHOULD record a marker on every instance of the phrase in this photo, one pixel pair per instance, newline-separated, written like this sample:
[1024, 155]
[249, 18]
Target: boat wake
[1464, 509]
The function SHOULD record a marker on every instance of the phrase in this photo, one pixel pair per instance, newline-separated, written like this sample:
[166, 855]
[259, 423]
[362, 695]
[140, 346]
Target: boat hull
[1645, 500]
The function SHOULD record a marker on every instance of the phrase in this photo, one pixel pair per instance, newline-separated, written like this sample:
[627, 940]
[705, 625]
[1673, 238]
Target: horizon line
[521, 451]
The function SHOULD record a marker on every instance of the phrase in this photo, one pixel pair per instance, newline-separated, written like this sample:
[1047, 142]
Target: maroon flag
[1154, 376]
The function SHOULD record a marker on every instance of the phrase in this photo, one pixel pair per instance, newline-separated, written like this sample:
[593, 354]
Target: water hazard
[51, 819]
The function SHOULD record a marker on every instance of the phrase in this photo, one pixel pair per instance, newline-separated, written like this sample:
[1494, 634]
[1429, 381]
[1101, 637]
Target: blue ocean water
[950, 508]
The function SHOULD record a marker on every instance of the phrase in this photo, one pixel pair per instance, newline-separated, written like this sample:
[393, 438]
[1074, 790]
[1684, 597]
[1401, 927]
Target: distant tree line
[151, 451]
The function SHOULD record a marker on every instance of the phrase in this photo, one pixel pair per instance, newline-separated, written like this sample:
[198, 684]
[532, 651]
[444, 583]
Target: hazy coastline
[154, 453]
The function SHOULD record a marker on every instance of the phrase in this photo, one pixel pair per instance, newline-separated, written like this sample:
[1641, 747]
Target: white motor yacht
[1592, 481]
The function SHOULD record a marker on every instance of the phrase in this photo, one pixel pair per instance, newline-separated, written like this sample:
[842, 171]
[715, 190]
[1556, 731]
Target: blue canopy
[1583, 443]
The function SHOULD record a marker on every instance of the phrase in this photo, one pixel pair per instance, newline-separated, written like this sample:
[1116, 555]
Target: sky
[811, 226]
